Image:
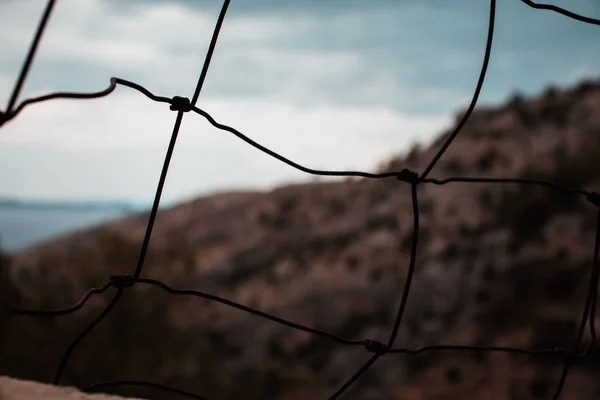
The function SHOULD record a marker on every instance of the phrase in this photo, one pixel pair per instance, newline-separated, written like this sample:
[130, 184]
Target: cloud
[87, 144]
[580, 72]
[332, 89]
[73, 148]
[125, 119]
[293, 57]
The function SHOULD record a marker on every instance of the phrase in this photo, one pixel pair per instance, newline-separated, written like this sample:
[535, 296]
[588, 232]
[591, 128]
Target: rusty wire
[121, 282]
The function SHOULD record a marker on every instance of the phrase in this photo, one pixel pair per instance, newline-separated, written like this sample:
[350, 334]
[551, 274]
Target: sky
[331, 84]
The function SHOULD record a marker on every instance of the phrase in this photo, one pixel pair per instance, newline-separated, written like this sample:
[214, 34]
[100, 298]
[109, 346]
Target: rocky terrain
[497, 264]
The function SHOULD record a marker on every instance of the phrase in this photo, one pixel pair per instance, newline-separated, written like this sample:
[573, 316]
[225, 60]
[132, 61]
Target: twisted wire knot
[408, 176]
[122, 281]
[179, 103]
[373, 346]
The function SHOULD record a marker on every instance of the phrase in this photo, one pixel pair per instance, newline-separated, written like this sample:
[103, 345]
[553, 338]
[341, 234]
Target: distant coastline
[58, 205]
[26, 222]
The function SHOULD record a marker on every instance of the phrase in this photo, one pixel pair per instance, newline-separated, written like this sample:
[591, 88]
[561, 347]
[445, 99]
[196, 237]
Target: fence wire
[183, 105]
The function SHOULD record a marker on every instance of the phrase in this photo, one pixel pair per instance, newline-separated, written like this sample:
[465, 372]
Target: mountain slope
[497, 264]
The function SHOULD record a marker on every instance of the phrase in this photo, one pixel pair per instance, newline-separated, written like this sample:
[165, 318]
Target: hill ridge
[497, 264]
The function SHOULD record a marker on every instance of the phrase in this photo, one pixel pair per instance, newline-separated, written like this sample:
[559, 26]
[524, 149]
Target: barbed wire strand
[465, 117]
[182, 105]
[83, 334]
[115, 282]
[551, 7]
[30, 55]
[588, 304]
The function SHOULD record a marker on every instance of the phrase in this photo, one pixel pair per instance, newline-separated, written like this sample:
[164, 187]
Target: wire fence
[183, 105]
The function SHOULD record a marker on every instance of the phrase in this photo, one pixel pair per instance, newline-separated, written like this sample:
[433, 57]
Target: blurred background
[364, 85]
[329, 84]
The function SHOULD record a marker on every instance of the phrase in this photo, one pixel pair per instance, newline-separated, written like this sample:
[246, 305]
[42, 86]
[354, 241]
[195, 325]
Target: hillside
[497, 264]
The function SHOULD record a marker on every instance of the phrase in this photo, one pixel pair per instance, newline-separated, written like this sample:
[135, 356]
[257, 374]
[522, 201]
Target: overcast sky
[329, 84]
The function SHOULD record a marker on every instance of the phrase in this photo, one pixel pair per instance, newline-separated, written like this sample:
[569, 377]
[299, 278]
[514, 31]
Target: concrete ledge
[17, 389]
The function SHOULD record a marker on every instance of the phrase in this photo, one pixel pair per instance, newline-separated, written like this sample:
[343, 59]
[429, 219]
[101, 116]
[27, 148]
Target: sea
[22, 226]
